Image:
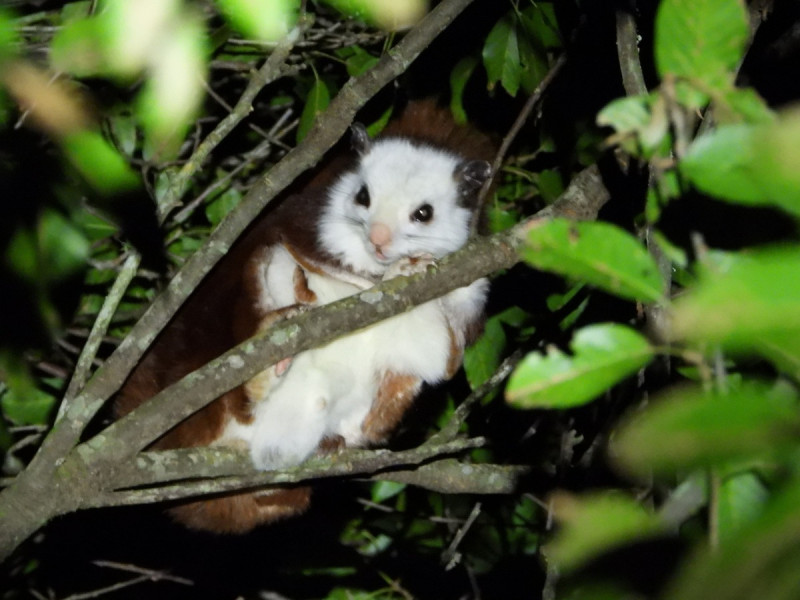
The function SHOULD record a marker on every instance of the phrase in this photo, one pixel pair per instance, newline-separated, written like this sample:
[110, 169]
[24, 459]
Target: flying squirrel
[408, 198]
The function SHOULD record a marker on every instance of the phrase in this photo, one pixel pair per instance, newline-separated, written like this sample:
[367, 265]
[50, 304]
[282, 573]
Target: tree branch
[345, 463]
[325, 132]
[480, 257]
[99, 328]
[22, 514]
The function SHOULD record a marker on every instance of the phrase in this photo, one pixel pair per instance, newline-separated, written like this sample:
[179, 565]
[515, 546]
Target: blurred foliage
[672, 441]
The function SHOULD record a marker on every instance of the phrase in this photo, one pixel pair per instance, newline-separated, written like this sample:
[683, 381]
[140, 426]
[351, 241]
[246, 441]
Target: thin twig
[451, 556]
[269, 72]
[451, 429]
[628, 54]
[144, 575]
[521, 119]
[99, 329]
[154, 575]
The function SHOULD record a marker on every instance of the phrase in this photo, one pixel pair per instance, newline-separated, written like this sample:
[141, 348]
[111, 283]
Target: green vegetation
[653, 399]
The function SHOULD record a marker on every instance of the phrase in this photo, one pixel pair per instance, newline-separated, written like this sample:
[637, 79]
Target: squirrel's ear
[471, 175]
[359, 138]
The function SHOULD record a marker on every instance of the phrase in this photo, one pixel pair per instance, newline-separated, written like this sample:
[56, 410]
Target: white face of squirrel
[402, 199]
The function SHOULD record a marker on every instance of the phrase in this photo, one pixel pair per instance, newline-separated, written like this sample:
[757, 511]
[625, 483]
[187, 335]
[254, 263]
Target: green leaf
[691, 428]
[549, 183]
[317, 101]
[56, 250]
[502, 217]
[745, 300]
[63, 248]
[392, 16]
[22, 255]
[776, 151]
[29, 407]
[749, 164]
[701, 39]
[501, 55]
[626, 114]
[77, 48]
[74, 11]
[9, 41]
[743, 104]
[740, 499]
[644, 117]
[384, 490]
[602, 356]
[598, 253]
[357, 60]
[349, 594]
[123, 130]
[218, 208]
[482, 358]
[173, 92]
[541, 25]
[534, 65]
[720, 163]
[596, 523]
[782, 349]
[458, 81]
[99, 163]
[256, 19]
[760, 561]
[23, 403]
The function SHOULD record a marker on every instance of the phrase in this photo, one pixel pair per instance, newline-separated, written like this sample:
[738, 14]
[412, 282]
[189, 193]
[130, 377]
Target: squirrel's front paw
[276, 454]
[409, 265]
[283, 435]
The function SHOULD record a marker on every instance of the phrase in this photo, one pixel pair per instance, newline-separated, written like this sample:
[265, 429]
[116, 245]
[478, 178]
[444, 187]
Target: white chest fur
[328, 391]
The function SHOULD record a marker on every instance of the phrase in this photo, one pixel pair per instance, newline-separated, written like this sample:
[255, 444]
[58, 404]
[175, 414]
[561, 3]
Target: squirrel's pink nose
[380, 235]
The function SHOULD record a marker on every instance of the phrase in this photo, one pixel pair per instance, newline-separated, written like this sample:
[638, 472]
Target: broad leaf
[541, 24]
[592, 525]
[598, 253]
[721, 163]
[267, 21]
[317, 101]
[602, 356]
[173, 92]
[739, 500]
[701, 39]
[744, 301]
[458, 81]
[358, 60]
[383, 490]
[776, 156]
[482, 358]
[749, 164]
[99, 163]
[692, 428]
[218, 208]
[501, 55]
[644, 117]
[743, 104]
[392, 16]
[9, 40]
[782, 349]
[760, 561]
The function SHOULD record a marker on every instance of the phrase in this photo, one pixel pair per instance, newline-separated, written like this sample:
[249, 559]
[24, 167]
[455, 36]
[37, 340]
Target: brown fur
[395, 395]
[223, 311]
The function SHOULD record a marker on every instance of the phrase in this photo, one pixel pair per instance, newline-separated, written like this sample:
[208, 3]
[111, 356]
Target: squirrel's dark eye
[362, 197]
[423, 214]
